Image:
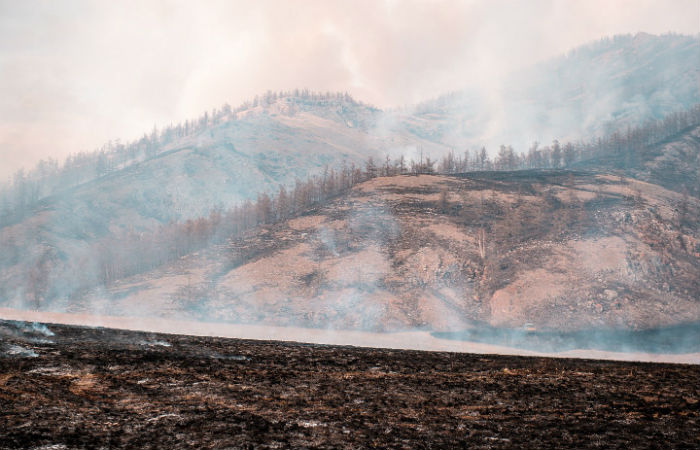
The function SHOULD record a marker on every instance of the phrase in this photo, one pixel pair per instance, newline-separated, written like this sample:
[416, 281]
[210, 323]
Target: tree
[569, 154]
[264, 208]
[387, 167]
[38, 278]
[556, 154]
[483, 159]
[683, 210]
[448, 163]
[513, 160]
[370, 168]
[402, 165]
[534, 156]
[428, 165]
[502, 158]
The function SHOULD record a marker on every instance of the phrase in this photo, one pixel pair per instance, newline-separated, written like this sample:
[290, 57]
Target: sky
[74, 74]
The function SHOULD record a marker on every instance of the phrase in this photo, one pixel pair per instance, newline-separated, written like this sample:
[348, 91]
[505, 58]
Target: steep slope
[561, 250]
[674, 164]
[223, 166]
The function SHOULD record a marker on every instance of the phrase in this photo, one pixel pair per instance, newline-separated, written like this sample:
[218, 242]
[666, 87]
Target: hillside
[674, 164]
[55, 223]
[234, 154]
[95, 255]
[560, 250]
[220, 167]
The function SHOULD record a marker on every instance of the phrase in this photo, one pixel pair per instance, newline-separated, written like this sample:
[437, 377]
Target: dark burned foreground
[101, 388]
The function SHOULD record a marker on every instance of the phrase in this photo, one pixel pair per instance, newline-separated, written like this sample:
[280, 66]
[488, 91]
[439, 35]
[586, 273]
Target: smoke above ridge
[76, 74]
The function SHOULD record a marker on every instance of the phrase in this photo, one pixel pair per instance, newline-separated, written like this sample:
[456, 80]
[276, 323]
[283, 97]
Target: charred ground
[74, 387]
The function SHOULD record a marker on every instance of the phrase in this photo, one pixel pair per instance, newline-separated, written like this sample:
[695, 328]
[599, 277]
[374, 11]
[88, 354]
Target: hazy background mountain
[592, 90]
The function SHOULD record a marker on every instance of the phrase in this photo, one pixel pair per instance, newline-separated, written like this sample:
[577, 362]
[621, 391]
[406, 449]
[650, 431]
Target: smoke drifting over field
[19, 325]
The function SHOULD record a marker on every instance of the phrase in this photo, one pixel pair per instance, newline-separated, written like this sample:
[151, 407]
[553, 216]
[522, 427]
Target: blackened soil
[100, 388]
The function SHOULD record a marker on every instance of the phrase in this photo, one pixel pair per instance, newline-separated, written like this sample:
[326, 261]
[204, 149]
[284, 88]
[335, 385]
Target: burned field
[73, 387]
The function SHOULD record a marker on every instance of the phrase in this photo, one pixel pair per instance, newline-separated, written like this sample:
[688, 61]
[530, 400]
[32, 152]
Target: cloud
[74, 74]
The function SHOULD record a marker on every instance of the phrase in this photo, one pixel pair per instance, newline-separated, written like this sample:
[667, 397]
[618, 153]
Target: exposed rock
[610, 294]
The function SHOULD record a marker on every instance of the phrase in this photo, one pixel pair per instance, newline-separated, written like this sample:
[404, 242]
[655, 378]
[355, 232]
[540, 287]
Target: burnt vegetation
[102, 388]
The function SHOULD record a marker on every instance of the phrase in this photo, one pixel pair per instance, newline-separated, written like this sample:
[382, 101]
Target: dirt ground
[73, 388]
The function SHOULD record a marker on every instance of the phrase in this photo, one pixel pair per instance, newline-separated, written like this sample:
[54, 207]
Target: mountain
[674, 164]
[246, 154]
[56, 221]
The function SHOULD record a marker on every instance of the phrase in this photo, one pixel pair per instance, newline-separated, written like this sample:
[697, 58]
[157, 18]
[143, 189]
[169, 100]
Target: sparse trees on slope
[569, 154]
[370, 168]
[484, 163]
[556, 154]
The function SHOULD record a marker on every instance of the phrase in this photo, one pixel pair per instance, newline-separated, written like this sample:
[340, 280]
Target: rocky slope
[559, 250]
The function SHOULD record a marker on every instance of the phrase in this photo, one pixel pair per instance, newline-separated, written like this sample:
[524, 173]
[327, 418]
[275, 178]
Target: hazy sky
[74, 74]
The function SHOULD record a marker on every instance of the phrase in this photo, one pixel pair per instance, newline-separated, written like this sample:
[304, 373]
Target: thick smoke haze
[75, 74]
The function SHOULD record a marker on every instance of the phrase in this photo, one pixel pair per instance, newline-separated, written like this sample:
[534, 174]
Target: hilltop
[592, 90]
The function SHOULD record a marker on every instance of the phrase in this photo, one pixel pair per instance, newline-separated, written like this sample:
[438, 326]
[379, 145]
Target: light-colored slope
[389, 257]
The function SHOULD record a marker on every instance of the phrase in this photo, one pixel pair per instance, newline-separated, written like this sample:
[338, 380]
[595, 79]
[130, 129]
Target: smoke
[676, 339]
[14, 333]
[77, 74]
[592, 90]
[415, 340]
[354, 291]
